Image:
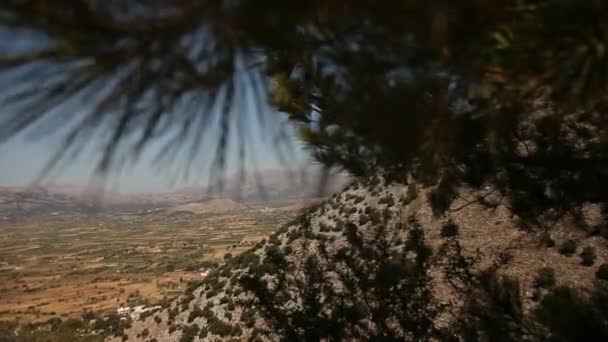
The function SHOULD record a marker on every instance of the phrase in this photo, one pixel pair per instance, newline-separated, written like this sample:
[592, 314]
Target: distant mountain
[36, 199]
[272, 185]
[263, 186]
[211, 206]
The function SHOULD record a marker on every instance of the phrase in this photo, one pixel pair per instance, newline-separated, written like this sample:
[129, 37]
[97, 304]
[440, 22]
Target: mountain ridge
[270, 185]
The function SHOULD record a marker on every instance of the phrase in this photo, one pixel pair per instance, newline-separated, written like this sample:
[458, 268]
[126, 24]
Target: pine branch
[83, 16]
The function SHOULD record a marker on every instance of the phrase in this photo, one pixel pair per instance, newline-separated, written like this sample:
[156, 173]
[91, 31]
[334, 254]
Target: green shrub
[248, 317]
[449, 229]
[158, 320]
[545, 278]
[145, 315]
[255, 334]
[192, 286]
[389, 201]
[363, 219]
[588, 256]
[100, 324]
[207, 313]
[358, 311]
[173, 313]
[186, 301]
[189, 333]
[442, 196]
[275, 256]
[412, 194]
[570, 316]
[602, 272]
[603, 232]
[324, 228]
[88, 316]
[237, 331]
[568, 248]
[547, 240]
[212, 293]
[226, 272]
[349, 210]
[375, 217]
[194, 314]
[218, 327]
[247, 259]
[145, 333]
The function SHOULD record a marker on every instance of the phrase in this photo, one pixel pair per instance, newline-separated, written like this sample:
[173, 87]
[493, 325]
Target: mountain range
[253, 187]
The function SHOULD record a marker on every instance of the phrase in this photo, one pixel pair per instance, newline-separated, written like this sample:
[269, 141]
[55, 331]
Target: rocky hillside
[376, 261]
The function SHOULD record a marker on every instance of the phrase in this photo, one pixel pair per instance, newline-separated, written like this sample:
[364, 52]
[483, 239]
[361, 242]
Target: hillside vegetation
[374, 261]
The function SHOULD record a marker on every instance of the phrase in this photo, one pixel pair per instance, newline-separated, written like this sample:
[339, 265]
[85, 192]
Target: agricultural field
[64, 264]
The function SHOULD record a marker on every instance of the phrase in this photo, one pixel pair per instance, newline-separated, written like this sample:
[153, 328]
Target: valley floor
[62, 265]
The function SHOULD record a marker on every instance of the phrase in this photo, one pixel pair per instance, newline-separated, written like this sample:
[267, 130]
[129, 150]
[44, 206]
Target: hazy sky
[23, 158]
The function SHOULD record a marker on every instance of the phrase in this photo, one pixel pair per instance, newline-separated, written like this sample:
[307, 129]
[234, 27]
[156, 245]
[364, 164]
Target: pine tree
[509, 94]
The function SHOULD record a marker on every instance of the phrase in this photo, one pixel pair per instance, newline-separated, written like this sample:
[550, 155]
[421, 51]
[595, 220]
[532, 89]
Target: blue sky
[23, 158]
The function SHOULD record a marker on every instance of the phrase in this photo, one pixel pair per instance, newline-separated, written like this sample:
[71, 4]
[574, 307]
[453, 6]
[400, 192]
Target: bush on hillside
[602, 272]
[545, 278]
[189, 333]
[449, 229]
[194, 314]
[568, 248]
[588, 256]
